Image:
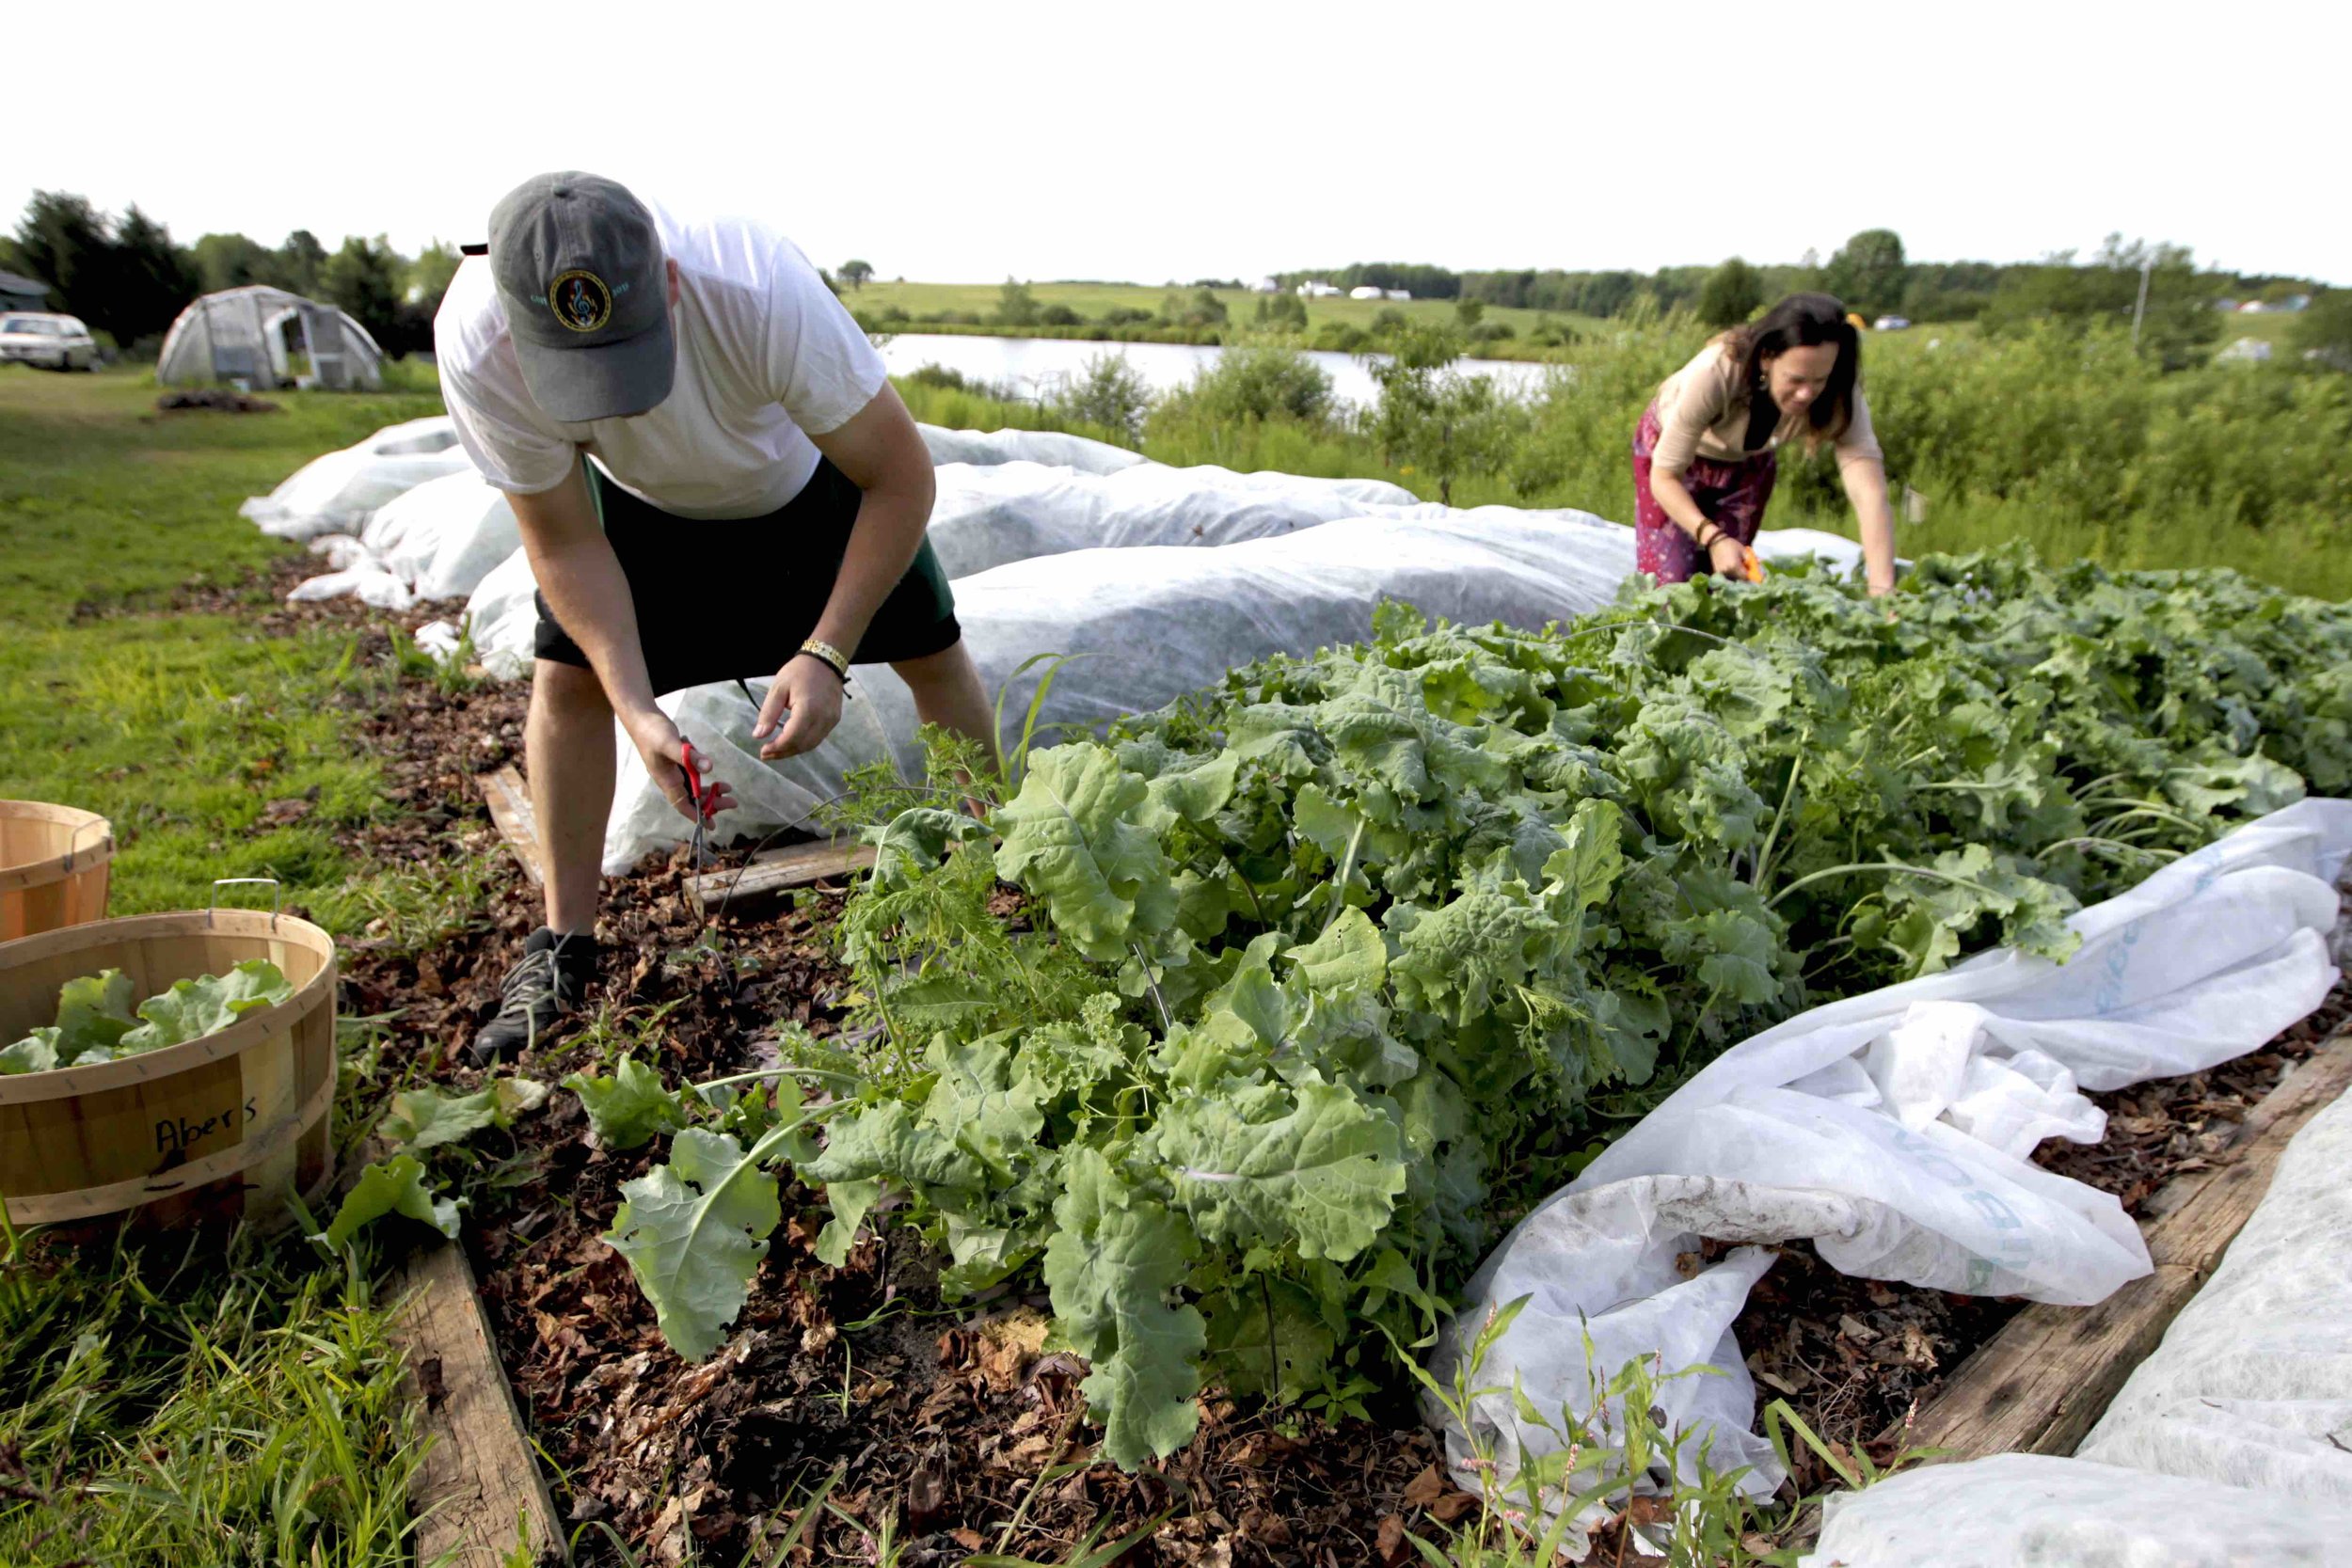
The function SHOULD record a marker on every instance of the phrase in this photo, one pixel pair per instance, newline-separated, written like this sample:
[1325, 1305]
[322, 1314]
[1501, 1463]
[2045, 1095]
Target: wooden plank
[755, 888]
[478, 1489]
[508, 800]
[2040, 1384]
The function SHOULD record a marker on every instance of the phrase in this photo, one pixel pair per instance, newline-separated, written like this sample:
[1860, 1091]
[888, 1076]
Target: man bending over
[714, 479]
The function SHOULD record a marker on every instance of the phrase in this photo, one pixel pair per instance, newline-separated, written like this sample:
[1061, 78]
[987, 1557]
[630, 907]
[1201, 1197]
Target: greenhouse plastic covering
[245, 334]
[1892, 1130]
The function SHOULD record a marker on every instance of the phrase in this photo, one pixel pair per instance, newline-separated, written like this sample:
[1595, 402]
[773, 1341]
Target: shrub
[1251, 383]
[1109, 392]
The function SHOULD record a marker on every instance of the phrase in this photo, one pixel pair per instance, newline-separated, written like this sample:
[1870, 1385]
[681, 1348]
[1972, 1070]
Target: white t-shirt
[765, 355]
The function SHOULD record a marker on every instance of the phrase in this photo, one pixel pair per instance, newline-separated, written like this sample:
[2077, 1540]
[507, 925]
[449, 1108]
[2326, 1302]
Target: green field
[1094, 300]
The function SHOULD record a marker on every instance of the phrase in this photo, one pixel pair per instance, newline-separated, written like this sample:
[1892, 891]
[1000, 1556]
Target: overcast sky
[1151, 142]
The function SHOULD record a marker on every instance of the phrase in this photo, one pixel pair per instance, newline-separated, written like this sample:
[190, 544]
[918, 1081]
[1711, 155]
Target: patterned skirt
[1731, 494]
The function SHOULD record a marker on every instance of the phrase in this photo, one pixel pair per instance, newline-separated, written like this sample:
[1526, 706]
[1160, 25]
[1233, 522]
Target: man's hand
[665, 754]
[806, 695]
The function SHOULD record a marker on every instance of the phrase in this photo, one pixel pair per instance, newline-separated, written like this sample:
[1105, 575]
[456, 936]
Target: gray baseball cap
[579, 266]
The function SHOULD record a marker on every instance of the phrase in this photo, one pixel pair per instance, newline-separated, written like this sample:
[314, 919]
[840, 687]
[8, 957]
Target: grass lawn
[164, 1407]
[181, 726]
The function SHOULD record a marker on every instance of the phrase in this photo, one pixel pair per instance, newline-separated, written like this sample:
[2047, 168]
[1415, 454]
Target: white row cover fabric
[1016, 511]
[1892, 1130]
[2230, 1443]
[396, 469]
[1052, 448]
[2252, 1384]
[365, 581]
[445, 536]
[438, 541]
[502, 615]
[1143, 626]
[2040, 1511]
[335, 493]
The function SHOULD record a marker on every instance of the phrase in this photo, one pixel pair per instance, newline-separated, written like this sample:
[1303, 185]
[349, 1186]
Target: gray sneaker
[538, 993]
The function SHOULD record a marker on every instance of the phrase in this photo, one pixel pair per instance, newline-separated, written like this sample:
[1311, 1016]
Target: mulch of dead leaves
[954, 1430]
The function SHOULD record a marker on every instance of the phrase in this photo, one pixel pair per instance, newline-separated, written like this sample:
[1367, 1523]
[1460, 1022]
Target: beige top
[1703, 412]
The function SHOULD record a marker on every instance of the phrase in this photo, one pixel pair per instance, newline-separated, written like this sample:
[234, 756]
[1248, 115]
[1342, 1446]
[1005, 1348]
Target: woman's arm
[1724, 553]
[1865, 486]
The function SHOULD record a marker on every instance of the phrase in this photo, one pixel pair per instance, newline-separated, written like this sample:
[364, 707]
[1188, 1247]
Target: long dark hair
[1802, 321]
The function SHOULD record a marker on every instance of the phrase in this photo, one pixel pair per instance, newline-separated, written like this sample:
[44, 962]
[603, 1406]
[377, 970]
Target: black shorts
[732, 598]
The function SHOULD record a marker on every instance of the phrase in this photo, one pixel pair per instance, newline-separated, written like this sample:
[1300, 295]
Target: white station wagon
[56, 343]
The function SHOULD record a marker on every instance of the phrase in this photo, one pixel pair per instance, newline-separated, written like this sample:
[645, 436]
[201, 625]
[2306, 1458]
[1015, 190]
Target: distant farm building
[23, 294]
[1315, 288]
[1266, 286]
[1366, 290]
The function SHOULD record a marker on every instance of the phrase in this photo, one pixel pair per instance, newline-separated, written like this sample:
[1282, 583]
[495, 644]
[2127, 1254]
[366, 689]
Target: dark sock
[575, 952]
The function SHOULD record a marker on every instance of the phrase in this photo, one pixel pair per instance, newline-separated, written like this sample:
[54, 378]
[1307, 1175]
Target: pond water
[1038, 366]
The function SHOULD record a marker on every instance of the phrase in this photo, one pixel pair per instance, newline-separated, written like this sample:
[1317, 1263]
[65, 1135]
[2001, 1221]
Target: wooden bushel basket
[54, 865]
[207, 1132]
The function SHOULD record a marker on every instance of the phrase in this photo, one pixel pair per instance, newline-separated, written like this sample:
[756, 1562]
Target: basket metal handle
[219, 882]
[75, 838]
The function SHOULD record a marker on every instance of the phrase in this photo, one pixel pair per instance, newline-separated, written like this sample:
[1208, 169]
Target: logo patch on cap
[580, 300]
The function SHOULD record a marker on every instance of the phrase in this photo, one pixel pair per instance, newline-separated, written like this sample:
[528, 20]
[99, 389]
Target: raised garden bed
[951, 1425]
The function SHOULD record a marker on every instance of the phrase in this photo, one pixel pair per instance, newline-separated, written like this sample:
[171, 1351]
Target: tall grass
[168, 1407]
[2065, 439]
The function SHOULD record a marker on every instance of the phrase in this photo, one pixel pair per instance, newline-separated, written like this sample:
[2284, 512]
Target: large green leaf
[1586, 872]
[36, 1052]
[1259, 1166]
[1181, 786]
[94, 1013]
[1348, 957]
[424, 1117]
[1074, 835]
[977, 1103]
[427, 1118]
[694, 1232]
[912, 842]
[394, 1186]
[893, 1139]
[1115, 1263]
[192, 1010]
[631, 1108]
[1267, 1339]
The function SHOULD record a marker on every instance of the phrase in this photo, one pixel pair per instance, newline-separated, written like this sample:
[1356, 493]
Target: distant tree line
[127, 278]
[1869, 272]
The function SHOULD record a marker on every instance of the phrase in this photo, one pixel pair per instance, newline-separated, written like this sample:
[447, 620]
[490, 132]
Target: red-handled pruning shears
[694, 793]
